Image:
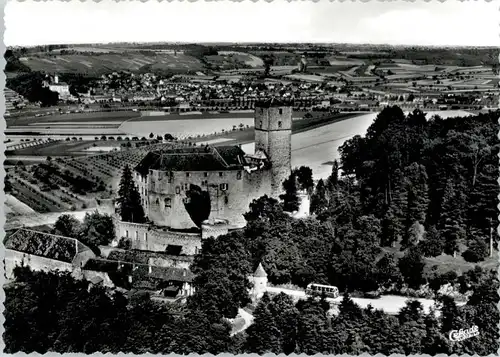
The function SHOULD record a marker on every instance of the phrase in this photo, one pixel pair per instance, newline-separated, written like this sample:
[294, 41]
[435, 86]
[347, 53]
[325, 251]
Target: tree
[67, 225]
[264, 335]
[477, 251]
[411, 266]
[97, 229]
[319, 201]
[129, 199]
[291, 202]
[305, 178]
[387, 271]
[433, 243]
[265, 208]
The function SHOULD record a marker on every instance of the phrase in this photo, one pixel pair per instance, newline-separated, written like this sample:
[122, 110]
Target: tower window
[238, 175]
[187, 174]
[168, 202]
[280, 124]
[281, 111]
[220, 174]
[177, 190]
[205, 174]
[260, 124]
[226, 200]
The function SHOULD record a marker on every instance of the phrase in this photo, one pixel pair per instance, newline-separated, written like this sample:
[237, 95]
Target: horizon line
[254, 43]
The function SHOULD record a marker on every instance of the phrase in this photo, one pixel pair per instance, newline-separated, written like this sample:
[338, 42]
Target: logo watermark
[460, 335]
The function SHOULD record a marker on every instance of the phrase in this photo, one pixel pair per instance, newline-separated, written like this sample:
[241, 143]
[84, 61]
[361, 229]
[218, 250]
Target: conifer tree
[129, 199]
[264, 335]
[452, 225]
[290, 199]
[319, 201]
[333, 179]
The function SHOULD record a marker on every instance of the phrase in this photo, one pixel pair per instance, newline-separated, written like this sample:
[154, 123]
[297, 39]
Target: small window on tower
[280, 124]
[260, 124]
[177, 190]
[238, 175]
[205, 174]
[281, 111]
[187, 174]
[168, 202]
[226, 200]
[220, 174]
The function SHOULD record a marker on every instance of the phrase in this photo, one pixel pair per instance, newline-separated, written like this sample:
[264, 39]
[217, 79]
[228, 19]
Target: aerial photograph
[251, 177]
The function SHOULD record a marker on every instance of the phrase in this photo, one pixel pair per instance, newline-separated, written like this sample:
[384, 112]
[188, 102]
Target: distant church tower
[273, 135]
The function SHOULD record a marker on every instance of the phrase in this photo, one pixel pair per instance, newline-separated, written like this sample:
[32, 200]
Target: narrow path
[248, 318]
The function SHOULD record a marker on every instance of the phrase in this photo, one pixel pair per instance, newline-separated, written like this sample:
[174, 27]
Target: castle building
[218, 183]
[56, 86]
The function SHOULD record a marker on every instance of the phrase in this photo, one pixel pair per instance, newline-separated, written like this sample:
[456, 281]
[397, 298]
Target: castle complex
[209, 188]
[224, 178]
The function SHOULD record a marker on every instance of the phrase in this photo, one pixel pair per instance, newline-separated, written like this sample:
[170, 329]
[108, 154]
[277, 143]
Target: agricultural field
[93, 117]
[60, 185]
[248, 59]
[64, 148]
[100, 63]
[233, 60]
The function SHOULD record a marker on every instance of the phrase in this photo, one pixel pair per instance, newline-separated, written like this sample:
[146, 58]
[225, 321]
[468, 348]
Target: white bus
[318, 290]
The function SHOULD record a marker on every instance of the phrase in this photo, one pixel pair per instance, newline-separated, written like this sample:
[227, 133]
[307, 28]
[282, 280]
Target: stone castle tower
[259, 282]
[273, 136]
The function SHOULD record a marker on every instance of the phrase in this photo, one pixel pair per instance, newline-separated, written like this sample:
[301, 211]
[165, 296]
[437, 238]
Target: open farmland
[72, 184]
[100, 63]
[248, 59]
[117, 116]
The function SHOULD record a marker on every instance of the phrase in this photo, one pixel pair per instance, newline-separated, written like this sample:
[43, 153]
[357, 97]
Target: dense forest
[409, 191]
[47, 312]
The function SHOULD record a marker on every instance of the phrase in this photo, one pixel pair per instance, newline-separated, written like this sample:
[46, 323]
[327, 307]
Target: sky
[448, 23]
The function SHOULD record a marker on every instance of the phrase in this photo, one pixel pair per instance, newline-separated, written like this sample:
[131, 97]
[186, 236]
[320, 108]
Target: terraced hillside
[99, 63]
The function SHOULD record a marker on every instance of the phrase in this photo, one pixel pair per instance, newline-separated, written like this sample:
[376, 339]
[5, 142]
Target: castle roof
[193, 159]
[260, 272]
[45, 245]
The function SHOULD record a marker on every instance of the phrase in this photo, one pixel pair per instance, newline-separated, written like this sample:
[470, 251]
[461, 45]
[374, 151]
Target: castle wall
[166, 262]
[229, 192]
[213, 231]
[144, 237]
[14, 258]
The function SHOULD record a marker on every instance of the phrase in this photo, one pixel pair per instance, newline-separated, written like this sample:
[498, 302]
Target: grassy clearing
[446, 263]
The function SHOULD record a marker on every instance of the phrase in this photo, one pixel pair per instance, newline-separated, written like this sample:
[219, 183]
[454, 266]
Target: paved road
[390, 304]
